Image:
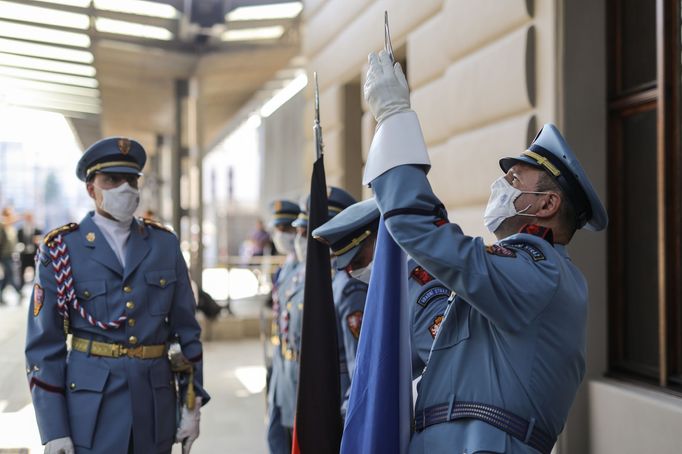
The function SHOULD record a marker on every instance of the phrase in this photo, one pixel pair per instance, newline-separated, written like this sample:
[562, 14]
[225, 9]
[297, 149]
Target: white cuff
[398, 141]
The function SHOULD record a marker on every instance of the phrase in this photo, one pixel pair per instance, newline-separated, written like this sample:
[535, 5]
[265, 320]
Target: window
[644, 181]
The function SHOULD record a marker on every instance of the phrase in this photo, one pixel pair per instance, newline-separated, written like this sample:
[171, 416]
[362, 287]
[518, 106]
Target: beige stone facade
[484, 76]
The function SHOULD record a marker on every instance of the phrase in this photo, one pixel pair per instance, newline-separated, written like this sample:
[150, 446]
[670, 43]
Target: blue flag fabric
[379, 413]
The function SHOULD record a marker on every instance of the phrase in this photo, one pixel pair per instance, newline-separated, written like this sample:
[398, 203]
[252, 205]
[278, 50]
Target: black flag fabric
[318, 424]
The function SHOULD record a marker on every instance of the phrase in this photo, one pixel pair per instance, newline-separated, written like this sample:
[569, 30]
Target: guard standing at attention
[284, 212]
[351, 235]
[509, 355]
[121, 287]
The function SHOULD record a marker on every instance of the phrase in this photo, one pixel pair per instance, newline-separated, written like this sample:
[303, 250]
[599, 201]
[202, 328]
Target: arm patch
[533, 251]
[427, 296]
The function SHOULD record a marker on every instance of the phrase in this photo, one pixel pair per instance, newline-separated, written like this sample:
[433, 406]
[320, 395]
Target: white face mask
[363, 274]
[284, 241]
[501, 203]
[120, 202]
[301, 247]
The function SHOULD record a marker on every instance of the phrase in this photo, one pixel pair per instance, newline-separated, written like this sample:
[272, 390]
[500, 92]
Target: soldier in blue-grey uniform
[509, 355]
[337, 201]
[428, 299]
[351, 236]
[121, 287]
[284, 212]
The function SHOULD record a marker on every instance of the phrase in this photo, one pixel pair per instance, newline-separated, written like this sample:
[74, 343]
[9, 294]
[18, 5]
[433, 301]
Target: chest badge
[90, 237]
[433, 329]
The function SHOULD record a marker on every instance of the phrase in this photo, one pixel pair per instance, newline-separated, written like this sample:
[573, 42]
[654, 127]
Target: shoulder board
[433, 293]
[70, 227]
[157, 225]
[354, 286]
[530, 249]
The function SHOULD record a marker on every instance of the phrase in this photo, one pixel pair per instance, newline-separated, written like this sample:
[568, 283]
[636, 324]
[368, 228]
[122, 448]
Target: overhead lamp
[48, 87]
[284, 95]
[62, 106]
[253, 34]
[43, 34]
[42, 64]
[39, 96]
[140, 7]
[120, 27]
[13, 46]
[76, 3]
[265, 12]
[39, 15]
[57, 78]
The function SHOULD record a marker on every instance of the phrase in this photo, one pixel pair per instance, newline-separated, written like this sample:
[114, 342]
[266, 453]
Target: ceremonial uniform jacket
[428, 299]
[98, 401]
[291, 343]
[282, 288]
[514, 337]
[349, 301]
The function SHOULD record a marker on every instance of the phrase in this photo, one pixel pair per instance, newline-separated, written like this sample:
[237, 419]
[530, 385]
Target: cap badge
[124, 146]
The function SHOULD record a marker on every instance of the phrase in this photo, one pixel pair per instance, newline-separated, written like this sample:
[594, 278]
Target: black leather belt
[497, 417]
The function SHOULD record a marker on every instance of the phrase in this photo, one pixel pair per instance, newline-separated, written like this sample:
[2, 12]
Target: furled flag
[318, 425]
[380, 407]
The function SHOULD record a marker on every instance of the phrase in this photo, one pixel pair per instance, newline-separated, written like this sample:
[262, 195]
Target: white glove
[188, 431]
[59, 446]
[386, 90]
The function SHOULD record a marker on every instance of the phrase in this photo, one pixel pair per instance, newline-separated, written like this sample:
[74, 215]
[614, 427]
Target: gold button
[131, 322]
[127, 289]
[132, 340]
[130, 305]
[86, 294]
[162, 282]
[72, 385]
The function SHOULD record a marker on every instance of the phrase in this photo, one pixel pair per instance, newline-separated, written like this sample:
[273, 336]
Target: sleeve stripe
[437, 211]
[45, 386]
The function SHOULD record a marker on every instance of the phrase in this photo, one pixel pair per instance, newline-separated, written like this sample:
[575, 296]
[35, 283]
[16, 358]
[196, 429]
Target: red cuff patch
[47, 387]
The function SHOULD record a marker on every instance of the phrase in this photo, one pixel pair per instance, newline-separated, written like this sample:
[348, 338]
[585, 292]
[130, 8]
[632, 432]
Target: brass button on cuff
[132, 340]
[130, 305]
[127, 289]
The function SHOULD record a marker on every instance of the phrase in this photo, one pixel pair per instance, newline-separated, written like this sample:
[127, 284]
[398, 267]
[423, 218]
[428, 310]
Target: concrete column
[195, 158]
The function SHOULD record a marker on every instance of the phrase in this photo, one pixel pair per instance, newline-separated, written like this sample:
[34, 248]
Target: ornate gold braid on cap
[354, 242]
[105, 165]
[541, 160]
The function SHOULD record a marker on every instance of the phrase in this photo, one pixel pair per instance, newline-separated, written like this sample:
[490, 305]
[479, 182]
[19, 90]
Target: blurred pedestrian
[8, 257]
[29, 239]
